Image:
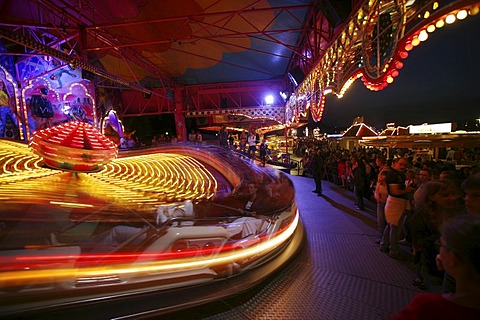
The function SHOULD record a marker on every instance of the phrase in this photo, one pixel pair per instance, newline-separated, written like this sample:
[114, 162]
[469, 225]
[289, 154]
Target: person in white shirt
[252, 144]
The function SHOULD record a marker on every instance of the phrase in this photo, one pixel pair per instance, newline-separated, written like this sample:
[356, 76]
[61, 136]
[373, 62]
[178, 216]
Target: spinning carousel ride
[82, 227]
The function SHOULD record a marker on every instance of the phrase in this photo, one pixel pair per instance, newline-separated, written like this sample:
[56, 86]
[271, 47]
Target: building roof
[359, 130]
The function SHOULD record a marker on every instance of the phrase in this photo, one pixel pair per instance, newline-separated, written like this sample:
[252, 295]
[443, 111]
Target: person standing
[348, 176]
[398, 195]
[154, 142]
[359, 178]
[223, 137]
[381, 195]
[199, 138]
[450, 154]
[381, 163]
[341, 166]
[192, 137]
[263, 152]
[231, 141]
[243, 142]
[42, 109]
[252, 143]
[317, 170]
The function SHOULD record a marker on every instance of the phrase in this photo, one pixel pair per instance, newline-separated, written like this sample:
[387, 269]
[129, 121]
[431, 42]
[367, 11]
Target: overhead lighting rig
[74, 62]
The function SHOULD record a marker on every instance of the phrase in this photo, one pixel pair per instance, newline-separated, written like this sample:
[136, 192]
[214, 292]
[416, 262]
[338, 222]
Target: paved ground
[341, 273]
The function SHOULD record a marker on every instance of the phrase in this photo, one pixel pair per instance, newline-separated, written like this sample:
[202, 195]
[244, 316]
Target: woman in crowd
[460, 257]
[398, 195]
[341, 168]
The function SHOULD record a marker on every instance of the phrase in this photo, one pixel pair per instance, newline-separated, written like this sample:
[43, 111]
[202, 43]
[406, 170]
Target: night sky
[440, 82]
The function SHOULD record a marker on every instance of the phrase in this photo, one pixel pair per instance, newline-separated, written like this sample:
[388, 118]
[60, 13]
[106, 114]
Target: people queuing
[424, 195]
[340, 163]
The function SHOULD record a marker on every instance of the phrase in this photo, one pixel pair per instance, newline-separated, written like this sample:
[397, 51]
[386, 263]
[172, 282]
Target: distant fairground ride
[172, 228]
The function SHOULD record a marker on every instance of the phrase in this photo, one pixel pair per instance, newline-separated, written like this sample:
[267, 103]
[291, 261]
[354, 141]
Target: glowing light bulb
[423, 36]
[450, 19]
[440, 23]
[462, 14]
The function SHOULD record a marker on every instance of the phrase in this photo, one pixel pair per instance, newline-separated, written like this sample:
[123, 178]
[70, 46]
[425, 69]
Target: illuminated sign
[431, 128]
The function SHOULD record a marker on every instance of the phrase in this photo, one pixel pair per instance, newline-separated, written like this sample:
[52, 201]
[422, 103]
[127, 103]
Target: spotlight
[269, 99]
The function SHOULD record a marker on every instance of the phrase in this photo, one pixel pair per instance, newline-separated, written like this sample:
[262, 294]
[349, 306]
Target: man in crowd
[223, 137]
[318, 170]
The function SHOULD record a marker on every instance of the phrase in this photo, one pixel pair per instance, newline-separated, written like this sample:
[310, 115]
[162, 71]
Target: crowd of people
[428, 213]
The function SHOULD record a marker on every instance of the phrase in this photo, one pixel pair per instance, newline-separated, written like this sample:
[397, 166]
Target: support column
[286, 140]
[180, 124]
[22, 113]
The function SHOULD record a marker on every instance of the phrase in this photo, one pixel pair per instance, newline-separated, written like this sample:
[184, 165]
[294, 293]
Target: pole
[286, 140]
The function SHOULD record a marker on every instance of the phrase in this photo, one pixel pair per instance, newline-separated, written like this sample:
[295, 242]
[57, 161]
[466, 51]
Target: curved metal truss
[372, 46]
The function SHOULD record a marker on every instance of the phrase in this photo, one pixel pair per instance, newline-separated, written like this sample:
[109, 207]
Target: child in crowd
[381, 194]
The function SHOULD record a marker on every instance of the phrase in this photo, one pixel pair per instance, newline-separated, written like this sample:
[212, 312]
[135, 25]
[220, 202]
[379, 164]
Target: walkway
[341, 273]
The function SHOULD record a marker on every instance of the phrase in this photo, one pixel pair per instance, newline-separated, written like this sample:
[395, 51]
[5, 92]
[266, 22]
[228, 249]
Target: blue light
[269, 99]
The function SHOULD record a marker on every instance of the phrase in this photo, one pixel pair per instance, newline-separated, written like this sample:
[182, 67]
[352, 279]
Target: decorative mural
[53, 93]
